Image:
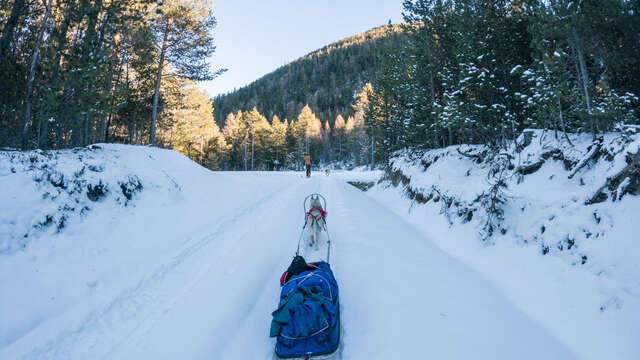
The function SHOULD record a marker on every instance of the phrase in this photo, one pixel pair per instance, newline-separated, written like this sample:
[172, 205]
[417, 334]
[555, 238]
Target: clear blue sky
[255, 37]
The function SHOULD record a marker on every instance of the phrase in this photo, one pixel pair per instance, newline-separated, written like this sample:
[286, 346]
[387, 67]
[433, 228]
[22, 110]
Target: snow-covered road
[212, 297]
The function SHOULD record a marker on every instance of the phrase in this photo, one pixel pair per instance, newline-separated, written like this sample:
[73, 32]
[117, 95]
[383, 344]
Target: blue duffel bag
[307, 321]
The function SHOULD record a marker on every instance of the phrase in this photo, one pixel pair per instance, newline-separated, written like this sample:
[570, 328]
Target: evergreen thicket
[479, 71]
[463, 71]
[76, 72]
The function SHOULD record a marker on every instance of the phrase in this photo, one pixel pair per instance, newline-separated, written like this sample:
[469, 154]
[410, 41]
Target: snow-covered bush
[542, 190]
[52, 189]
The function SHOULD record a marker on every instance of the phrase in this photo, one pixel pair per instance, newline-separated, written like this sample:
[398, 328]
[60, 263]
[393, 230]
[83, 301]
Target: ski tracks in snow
[400, 296]
[121, 321]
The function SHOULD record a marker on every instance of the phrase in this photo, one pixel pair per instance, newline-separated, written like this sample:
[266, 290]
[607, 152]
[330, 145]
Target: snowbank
[143, 245]
[52, 190]
[552, 224]
[81, 228]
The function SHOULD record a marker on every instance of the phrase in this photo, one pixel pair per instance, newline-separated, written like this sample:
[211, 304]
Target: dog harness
[322, 216]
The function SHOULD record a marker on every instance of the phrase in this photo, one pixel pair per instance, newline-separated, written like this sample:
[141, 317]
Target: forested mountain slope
[326, 79]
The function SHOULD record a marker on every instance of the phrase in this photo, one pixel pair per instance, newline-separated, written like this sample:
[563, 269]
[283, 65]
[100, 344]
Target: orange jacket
[307, 160]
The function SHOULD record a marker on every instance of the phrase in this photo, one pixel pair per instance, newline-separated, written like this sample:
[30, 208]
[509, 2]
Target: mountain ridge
[326, 79]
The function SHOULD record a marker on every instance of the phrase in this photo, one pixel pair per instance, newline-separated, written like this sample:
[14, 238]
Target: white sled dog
[315, 222]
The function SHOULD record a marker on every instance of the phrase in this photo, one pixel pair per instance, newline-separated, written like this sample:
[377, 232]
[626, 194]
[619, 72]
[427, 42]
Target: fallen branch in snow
[447, 201]
[418, 196]
[396, 176]
[555, 154]
[494, 199]
[479, 158]
[530, 168]
[627, 181]
[524, 140]
[592, 154]
[361, 185]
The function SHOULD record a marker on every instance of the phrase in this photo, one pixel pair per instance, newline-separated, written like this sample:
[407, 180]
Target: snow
[189, 266]
[585, 291]
[110, 260]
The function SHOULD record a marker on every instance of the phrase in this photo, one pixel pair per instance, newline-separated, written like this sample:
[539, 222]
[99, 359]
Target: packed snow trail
[401, 296]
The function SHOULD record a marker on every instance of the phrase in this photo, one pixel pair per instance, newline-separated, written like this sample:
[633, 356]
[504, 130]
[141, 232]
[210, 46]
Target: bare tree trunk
[433, 101]
[43, 134]
[136, 134]
[133, 129]
[154, 112]
[245, 155]
[51, 109]
[85, 134]
[32, 75]
[372, 149]
[562, 126]
[7, 32]
[39, 131]
[59, 136]
[585, 78]
[106, 128]
[103, 121]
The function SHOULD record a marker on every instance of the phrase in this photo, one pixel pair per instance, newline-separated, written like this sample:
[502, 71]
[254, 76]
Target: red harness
[322, 216]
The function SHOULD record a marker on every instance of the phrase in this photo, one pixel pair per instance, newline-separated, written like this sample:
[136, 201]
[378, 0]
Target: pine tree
[339, 132]
[185, 29]
[308, 133]
[17, 10]
[215, 151]
[326, 142]
[278, 143]
[193, 124]
[234, 134]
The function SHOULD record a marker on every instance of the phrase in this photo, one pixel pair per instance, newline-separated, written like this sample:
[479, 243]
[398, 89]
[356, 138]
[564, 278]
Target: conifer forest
[77, 72]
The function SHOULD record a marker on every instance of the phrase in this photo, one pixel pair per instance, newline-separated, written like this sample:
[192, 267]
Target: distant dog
[326, 171]
[315, 222]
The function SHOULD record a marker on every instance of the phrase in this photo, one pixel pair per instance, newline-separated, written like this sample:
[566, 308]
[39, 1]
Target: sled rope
[328, 247]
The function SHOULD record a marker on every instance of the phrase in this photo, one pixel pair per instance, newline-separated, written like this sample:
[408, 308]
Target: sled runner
[306, 323]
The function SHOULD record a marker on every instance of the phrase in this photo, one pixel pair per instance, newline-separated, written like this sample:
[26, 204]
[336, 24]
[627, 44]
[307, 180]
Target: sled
[306, 323]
